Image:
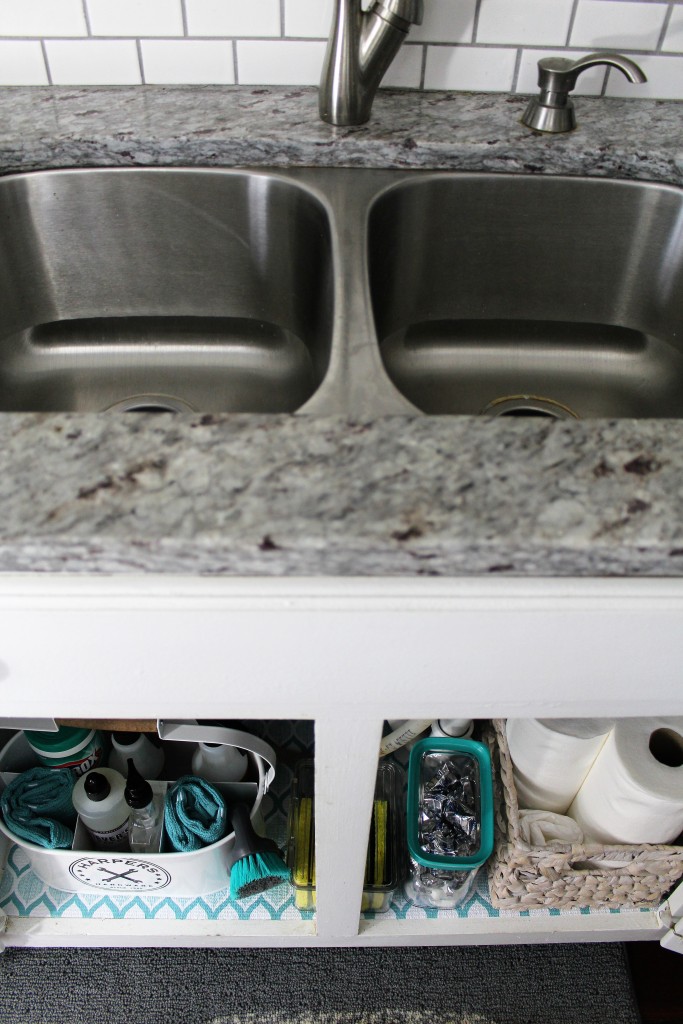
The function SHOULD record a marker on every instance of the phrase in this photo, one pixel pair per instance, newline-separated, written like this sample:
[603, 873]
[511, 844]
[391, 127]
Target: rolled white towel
[538, 828]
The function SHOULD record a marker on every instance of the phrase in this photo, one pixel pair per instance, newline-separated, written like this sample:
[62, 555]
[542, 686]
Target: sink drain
[150, 403]
[529, 405]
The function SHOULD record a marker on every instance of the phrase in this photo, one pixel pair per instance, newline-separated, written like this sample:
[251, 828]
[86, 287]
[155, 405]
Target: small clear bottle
[146, 813]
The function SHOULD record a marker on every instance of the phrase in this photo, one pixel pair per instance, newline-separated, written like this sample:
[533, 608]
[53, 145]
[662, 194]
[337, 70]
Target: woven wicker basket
[563, 875]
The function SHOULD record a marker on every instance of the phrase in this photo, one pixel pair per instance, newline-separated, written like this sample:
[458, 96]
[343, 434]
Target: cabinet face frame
[347, 653]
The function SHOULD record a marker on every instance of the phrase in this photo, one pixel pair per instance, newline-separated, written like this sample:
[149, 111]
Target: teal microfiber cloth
[37, 806]
[194, 815]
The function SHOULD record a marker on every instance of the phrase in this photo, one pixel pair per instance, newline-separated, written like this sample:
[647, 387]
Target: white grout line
[235, 63]
[47, 62]
[138, 44]
[515, 73]
[423, 67]
[572, 19]
[475, 24]
[86, 15]
[665, 26]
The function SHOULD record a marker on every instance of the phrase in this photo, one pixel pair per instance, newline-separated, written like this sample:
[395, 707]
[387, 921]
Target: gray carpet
[567, 984]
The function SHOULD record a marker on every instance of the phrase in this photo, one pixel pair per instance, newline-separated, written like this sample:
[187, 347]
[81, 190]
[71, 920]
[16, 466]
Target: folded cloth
[37, 806]
[538, 828]
[194, 815]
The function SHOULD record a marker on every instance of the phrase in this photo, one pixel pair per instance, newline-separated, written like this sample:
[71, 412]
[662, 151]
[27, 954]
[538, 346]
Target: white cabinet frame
[347, 653]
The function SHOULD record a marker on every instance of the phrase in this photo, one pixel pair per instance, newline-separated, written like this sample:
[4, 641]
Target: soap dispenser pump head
[138, 792]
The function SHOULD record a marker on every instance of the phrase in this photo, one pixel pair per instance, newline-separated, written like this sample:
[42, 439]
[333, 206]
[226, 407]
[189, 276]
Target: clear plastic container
[449, 819]
[384, 864]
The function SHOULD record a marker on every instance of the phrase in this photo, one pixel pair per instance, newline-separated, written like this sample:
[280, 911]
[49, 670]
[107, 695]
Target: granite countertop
[305, 495]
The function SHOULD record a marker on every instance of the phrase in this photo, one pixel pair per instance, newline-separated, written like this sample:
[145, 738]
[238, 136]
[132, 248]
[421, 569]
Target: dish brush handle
[247, 841]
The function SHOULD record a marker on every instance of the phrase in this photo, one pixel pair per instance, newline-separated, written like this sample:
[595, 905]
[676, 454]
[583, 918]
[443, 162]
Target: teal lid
[482, 767]
[66, 738]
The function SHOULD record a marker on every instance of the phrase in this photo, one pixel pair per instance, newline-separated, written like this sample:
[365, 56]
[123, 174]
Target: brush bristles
[252, 875]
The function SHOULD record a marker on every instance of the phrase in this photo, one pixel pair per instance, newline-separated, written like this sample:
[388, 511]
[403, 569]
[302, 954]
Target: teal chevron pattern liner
[23, 894]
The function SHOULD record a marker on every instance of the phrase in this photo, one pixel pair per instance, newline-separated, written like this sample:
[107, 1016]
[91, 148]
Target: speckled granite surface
[277, 495]
[212, 126]
[302, 495]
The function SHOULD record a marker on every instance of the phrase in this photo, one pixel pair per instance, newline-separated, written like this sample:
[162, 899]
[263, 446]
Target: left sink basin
[162, 289]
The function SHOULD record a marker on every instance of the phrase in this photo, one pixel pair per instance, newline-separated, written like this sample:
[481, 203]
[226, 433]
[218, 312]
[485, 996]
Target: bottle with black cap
[99, 799]
[146, 813]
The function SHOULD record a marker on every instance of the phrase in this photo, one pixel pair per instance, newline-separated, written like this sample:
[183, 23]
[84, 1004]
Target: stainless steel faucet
[553, 109]
[361, 47]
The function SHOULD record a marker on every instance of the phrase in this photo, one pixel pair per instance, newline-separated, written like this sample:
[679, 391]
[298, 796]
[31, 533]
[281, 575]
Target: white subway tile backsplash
[93, 61]
[22, 62]
[604, 25]
[488, 45]
[42, 18]
[188, 61]
[589, 83]
[135, 17]
[673, 39]
[446, 22]
[664, 79]
[233, 17]
[406, 70]
[533, 22]
[279, 63]
[469, 68]
[306, 19]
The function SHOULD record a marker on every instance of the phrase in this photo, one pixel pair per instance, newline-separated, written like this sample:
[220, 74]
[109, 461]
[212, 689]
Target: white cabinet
[345, 653]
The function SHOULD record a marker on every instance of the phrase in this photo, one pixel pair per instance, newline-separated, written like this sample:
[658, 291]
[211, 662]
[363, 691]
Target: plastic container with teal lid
[69, 747]
[449, 819]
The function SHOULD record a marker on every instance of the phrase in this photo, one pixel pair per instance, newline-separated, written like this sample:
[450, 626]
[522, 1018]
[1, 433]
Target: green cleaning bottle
[69, 747]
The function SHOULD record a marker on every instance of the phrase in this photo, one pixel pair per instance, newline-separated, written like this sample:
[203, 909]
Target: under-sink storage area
[99, 881]
[350, 656]
[110, 892]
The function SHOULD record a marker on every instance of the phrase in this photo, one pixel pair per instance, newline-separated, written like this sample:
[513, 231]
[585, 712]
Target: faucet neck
[360, 49]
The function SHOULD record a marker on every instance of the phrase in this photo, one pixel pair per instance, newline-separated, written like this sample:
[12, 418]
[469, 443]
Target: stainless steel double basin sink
[328, 291]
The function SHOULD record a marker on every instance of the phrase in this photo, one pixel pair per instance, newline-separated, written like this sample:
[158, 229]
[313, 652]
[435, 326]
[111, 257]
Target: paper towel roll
[634, 791]
[552, 757]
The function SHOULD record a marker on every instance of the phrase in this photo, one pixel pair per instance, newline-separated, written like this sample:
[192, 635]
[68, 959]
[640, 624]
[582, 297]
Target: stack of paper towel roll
[621, 781]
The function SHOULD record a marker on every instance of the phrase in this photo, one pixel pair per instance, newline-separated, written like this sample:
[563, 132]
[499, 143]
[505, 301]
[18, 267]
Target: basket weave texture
[562, 874]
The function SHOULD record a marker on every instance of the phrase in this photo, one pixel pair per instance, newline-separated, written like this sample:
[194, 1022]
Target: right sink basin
[546, 296]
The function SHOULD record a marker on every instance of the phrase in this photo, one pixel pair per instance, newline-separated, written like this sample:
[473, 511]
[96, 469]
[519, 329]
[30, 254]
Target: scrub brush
[258, 865]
